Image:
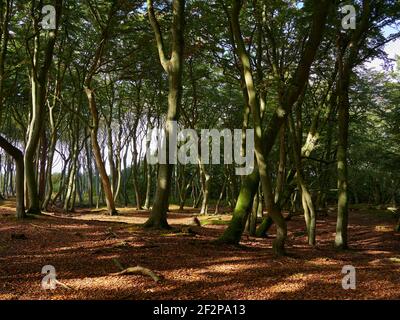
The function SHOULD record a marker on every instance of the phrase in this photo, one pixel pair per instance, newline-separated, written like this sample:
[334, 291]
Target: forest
[293, 194]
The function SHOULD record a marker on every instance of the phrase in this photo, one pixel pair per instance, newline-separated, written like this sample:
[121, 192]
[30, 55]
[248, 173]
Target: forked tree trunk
[38, 78]
[265, 179]
[173, 67]
[105, 181]
[265, 142]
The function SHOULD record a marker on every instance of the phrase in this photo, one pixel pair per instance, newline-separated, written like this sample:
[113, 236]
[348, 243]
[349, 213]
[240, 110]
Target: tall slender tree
[173, 67]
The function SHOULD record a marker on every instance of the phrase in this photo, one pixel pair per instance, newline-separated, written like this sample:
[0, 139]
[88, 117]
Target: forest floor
[83, 249]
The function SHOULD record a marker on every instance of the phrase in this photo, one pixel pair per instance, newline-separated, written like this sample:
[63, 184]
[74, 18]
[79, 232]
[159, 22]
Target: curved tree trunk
[233, 233]
[174, 68]
[98, 157]
[105, 181]
[38, 78]
[19, 178]
[265, 141]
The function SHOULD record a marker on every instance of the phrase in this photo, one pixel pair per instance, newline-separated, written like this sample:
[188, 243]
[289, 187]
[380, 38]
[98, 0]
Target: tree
[94, 127]
[264, 141]
[173, 67]
[38, 79]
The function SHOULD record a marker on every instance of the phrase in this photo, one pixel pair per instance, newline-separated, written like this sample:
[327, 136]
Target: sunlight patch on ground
[322, 261]
[7, 204]
[287, 287]
[383, 229]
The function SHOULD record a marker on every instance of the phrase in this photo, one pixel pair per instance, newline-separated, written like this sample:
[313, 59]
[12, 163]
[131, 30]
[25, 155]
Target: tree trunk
[263, 228]
[42, 165]
[134, 168]
[19, 179]
[397, 229]
[233, 233]
[105, 181]
[347, 52]
[342, 214]
[71, 184]
[308, 206]
[205, 184]
[264, 142]
[38, 92]
[147, 172]
[62, 182]
[174, 68]
[253, 216]
[97, 155]
[221, 194]
[89, 173]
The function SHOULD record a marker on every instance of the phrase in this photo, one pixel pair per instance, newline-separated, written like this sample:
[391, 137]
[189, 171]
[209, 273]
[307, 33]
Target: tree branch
[157, 31]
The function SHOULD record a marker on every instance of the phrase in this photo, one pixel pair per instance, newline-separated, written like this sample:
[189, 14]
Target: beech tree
[173, 67]
[73, 128]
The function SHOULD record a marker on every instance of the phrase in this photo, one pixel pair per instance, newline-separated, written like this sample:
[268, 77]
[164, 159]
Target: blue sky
[392, 49]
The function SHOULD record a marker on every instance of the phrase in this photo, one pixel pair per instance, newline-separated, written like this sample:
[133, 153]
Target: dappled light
[84, 255]
[199, 150]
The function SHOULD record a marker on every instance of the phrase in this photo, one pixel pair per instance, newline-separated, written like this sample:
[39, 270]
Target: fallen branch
[135, 270]
[63, 285]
